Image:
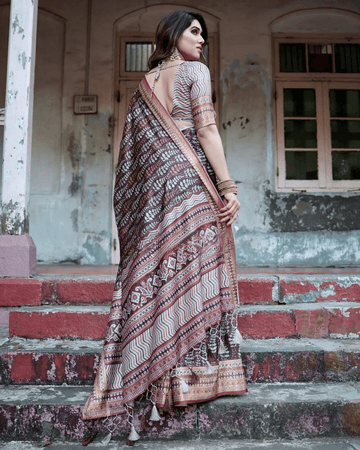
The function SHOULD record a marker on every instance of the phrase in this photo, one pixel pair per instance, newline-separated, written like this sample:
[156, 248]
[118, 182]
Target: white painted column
[19, 117]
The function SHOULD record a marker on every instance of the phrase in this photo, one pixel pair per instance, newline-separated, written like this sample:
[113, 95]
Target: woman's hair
[169, 31]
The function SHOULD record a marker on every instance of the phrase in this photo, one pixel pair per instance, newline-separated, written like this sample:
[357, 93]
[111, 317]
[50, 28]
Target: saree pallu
[172, 326]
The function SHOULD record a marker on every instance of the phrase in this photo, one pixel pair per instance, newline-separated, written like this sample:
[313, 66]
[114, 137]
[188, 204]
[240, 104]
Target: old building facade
[286, 83]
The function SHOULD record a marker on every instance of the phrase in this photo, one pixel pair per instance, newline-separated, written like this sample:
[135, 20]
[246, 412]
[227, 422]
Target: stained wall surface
[72, 165]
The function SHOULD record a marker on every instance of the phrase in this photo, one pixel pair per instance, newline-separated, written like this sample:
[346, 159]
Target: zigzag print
[169, 322]
[114, 376]
[176, 213]
[192, 80]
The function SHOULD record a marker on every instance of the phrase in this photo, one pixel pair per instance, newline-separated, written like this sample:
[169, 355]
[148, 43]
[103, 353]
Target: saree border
[215, 201]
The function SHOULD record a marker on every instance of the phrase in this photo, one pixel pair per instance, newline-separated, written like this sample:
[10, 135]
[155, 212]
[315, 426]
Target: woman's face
[190, 42]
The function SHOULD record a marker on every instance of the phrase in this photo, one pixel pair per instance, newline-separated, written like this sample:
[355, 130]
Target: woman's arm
[210, 141]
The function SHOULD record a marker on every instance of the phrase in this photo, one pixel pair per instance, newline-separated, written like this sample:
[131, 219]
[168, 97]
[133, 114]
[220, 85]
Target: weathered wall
[279, 229]
[73, 162]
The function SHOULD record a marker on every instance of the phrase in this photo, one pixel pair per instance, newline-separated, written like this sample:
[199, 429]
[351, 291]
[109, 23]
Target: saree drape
[172, 326]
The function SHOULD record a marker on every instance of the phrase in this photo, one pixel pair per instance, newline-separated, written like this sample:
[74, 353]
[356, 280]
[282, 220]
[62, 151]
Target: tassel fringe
[237, 337]
[106, 439]
[209, 369]
[133, 436]
[184, 386]
[222, 348]
[155, 416]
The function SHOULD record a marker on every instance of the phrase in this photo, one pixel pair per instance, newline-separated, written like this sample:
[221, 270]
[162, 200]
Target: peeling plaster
[14, 220]
[299, 212]
[94, 247]
[22, 59]
[20, 165]
[75, 219]
[11, 96]
[16, 26]
[20, 123]
[74, 149]
[76, 185]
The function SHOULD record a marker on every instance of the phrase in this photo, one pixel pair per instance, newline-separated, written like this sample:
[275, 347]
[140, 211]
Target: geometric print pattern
[174, 290]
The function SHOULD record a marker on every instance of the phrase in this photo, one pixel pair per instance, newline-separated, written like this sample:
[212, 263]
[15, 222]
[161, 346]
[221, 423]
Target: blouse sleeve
[201, 104]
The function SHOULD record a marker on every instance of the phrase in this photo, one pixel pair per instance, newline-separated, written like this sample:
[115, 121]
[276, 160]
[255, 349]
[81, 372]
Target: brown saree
[172, 326]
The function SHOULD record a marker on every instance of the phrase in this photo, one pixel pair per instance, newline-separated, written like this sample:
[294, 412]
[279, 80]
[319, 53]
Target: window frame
[322, 83]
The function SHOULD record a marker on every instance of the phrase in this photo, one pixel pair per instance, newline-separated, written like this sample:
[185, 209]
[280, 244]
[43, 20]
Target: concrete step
[253, 289]
[313, 320]
[267, 411]
[55, 362]
[201, 444]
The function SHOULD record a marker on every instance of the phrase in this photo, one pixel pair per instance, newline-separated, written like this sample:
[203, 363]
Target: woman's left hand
[231, 209]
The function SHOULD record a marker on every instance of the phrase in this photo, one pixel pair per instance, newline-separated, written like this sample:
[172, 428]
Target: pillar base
[17, 255]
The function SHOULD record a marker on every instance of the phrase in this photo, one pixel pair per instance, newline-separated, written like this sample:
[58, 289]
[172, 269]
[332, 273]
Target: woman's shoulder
[197, 66]
[197, 70]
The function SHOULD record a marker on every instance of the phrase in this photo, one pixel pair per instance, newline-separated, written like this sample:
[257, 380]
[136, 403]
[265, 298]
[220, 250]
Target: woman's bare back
[164, 88]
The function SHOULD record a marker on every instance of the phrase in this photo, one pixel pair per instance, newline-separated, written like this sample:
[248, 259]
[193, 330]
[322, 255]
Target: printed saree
[172, 323]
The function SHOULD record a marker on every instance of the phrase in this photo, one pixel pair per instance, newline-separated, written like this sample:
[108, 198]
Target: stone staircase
[301, 353]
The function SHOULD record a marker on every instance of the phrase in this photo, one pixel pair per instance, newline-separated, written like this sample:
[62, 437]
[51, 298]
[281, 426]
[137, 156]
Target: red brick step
[84, 322]
[334, 320]
[319, 288]
[75, 290]
[253, 289]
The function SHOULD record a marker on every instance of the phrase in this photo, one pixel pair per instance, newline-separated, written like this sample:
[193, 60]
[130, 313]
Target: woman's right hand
[231, 209]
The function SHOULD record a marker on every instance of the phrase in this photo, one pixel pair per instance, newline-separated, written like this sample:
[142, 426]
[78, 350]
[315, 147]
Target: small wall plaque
[85, 104]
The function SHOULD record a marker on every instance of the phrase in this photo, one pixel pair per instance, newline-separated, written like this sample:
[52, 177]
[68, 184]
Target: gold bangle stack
[226, 186]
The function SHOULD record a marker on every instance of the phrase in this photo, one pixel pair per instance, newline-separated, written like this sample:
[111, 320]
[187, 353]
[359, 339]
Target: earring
[175, 55]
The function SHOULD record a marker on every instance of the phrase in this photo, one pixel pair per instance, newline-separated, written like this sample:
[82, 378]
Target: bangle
[225, 183]
[226, 186]
[230, 189]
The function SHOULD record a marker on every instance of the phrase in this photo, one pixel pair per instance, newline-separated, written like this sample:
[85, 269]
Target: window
[135, 52]
[317, 100]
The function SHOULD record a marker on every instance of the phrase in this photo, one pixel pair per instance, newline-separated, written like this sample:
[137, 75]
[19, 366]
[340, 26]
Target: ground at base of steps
[224, 444]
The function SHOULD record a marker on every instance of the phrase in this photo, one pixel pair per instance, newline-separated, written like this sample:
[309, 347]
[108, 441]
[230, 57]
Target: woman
[172, 326]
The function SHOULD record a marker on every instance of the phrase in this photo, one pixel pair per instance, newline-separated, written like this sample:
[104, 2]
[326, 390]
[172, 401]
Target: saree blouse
[192, 95]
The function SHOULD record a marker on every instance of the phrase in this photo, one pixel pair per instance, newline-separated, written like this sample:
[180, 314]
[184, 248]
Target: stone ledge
[266, 411]
[273, 411]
